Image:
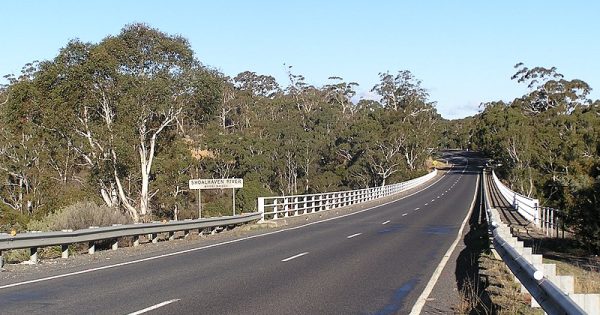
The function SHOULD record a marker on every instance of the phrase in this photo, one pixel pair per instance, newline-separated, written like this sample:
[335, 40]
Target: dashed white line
[153, 307]
[205, 247]
[417, 209]
[353, 235]
[386, 222]
[426, 204]
[405, 214]
[294, 257]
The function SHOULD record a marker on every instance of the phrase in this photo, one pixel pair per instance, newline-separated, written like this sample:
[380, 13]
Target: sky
[462, 51]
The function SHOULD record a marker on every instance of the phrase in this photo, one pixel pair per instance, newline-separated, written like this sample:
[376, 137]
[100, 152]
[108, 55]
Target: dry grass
[586, 280]
[471, 299]
[504, 292]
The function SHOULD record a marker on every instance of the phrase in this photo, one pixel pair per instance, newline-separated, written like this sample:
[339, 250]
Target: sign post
[215, 183]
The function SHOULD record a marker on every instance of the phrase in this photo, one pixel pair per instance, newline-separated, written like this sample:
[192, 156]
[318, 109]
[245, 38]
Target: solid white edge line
[418, 307]
[153, 307]
[353, 235]
[294, 257]
[211, 245]
[386, 222]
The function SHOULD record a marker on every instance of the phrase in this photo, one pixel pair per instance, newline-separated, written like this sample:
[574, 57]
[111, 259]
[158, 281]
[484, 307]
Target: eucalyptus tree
[119, 101]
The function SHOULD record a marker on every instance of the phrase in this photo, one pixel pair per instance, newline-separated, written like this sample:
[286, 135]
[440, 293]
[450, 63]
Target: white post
[33, 258]
[115, 244]
[199, 203]
[91, 248]
[65, 250]
[233, 190]
[261, 208]
[296, 205]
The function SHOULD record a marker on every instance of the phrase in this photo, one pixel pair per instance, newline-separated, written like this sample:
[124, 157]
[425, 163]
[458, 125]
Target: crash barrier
[36, 240]
[285, 206]
[554, 293]
[527, 207]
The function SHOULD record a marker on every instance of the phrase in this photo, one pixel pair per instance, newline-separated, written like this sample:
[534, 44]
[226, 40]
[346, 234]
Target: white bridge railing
[285, 206]
[527, 207]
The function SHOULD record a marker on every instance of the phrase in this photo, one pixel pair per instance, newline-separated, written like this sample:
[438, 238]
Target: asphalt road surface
[377, 261]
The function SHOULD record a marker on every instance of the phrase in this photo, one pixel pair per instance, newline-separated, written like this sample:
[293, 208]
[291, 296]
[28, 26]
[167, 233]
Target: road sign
[218, 183]
[215, 183]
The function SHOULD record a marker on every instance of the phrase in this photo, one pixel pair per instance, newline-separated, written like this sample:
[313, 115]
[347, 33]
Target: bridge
[382, 250]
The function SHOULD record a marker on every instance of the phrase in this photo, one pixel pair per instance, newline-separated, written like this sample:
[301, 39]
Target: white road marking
[405, 214]
[353, 235]
[417, 209]
[64, 275]
[386, 222]
[294, 257]
[153, 307]
[438, 271]
[432, 200]
[426, 204]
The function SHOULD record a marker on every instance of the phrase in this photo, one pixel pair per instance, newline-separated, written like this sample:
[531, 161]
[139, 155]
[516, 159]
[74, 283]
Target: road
[377, 261]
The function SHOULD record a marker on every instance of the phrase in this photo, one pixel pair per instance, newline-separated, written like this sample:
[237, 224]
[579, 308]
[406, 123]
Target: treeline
[126, 122]
[548, 145]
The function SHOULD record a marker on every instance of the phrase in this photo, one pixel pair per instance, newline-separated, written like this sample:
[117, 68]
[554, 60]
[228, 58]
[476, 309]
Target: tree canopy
[126, 122]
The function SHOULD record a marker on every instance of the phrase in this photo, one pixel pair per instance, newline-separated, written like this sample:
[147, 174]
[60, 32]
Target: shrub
[80, 215]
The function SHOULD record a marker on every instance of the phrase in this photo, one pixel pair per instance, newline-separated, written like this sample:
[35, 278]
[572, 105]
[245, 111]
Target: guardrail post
[1, 259]
[275, 209]
[65, 250]
[91, 248]
[33, 258]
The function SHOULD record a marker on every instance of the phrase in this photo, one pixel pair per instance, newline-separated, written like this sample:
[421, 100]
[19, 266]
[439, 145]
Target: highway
[375, 261]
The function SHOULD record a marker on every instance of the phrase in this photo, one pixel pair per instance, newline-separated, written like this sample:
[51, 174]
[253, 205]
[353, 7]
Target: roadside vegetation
[123, 124]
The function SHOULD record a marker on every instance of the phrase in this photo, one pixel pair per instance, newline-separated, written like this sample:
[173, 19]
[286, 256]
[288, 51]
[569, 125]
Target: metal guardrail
[527, 207]
[285, 206]
[35, 240]
[525, 266]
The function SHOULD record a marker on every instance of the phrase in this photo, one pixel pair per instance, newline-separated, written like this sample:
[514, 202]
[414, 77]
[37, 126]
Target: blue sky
[463, 51]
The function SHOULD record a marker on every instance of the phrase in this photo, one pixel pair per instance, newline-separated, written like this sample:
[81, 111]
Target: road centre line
[294, 257]
[405, 214]
[417, 209]
[131, 262]
[418, 306]
[353, 235]
[153, 307]
[385, 222]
